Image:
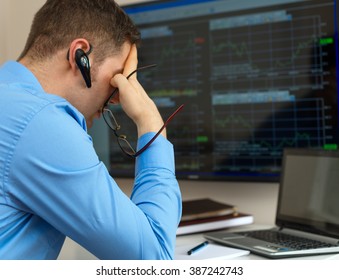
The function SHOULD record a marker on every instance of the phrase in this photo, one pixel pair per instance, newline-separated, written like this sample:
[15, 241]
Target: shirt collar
[11, 70]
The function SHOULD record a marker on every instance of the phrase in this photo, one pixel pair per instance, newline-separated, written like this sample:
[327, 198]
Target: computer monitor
[255, 77]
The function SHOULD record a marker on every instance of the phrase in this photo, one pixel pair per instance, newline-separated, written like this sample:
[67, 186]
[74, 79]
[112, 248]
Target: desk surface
[255, 198]
[76, 252]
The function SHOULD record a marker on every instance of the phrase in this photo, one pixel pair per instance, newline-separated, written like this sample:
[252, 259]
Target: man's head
[64, 31]
[102, 22]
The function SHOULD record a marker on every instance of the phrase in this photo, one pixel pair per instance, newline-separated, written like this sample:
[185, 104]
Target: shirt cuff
[160, 154]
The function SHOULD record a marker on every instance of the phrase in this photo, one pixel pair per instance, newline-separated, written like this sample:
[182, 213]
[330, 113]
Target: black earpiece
[82, 61]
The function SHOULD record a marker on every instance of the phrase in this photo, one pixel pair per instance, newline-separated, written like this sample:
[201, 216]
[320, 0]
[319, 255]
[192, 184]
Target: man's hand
[134, 100]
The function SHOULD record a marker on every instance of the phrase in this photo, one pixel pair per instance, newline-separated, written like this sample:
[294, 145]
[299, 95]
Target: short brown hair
[102, 22]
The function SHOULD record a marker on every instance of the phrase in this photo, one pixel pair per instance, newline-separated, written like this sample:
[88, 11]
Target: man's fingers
[131, 62]
[119, 81]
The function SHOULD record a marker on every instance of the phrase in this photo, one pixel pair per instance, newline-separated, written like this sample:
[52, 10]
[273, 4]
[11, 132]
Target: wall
[256, 198]
[15, 18]
[4, 22]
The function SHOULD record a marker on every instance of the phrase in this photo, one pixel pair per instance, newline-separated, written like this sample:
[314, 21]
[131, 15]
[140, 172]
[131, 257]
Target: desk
[259, 199]
[75, 251]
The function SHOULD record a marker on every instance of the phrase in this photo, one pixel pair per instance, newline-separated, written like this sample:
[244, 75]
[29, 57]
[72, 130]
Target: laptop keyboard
[286, 240]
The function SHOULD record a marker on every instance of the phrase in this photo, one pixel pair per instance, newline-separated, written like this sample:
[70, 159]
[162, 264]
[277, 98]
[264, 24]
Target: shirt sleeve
[56, 175]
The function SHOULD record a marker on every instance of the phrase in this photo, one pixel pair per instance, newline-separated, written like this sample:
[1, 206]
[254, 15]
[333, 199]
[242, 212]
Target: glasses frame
[121, 138]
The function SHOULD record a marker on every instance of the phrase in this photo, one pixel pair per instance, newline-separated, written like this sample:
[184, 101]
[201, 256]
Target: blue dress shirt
[53, 185]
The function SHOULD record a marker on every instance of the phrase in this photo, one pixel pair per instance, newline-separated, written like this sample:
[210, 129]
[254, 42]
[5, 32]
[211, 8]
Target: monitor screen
[309, 190]
[255, 77]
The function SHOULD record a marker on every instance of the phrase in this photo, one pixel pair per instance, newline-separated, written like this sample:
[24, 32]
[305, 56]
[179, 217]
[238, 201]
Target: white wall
[256, 198]
[15, 18]
[4, 22]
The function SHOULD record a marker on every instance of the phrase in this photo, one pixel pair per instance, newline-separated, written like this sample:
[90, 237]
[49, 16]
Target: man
[52, 184]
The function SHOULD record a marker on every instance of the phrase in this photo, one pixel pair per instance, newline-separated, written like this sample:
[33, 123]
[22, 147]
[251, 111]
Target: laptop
[307, 217]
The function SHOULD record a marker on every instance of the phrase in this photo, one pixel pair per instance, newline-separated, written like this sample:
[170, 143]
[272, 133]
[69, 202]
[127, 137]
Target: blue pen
[197, 248]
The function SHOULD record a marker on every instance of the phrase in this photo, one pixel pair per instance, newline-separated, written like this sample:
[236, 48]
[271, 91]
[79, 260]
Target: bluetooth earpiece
[82, 61]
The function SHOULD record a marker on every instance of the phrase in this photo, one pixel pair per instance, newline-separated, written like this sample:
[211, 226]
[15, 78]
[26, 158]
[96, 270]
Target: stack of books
[201, 215]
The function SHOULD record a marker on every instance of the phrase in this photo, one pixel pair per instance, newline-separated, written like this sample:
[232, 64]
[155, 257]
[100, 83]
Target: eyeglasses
[112, 123]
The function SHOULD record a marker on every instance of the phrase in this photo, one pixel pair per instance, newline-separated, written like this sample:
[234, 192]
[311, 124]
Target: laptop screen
[309, 191]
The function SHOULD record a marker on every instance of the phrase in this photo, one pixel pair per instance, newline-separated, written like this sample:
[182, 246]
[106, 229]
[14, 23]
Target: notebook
[211, 252]
[307, 217]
